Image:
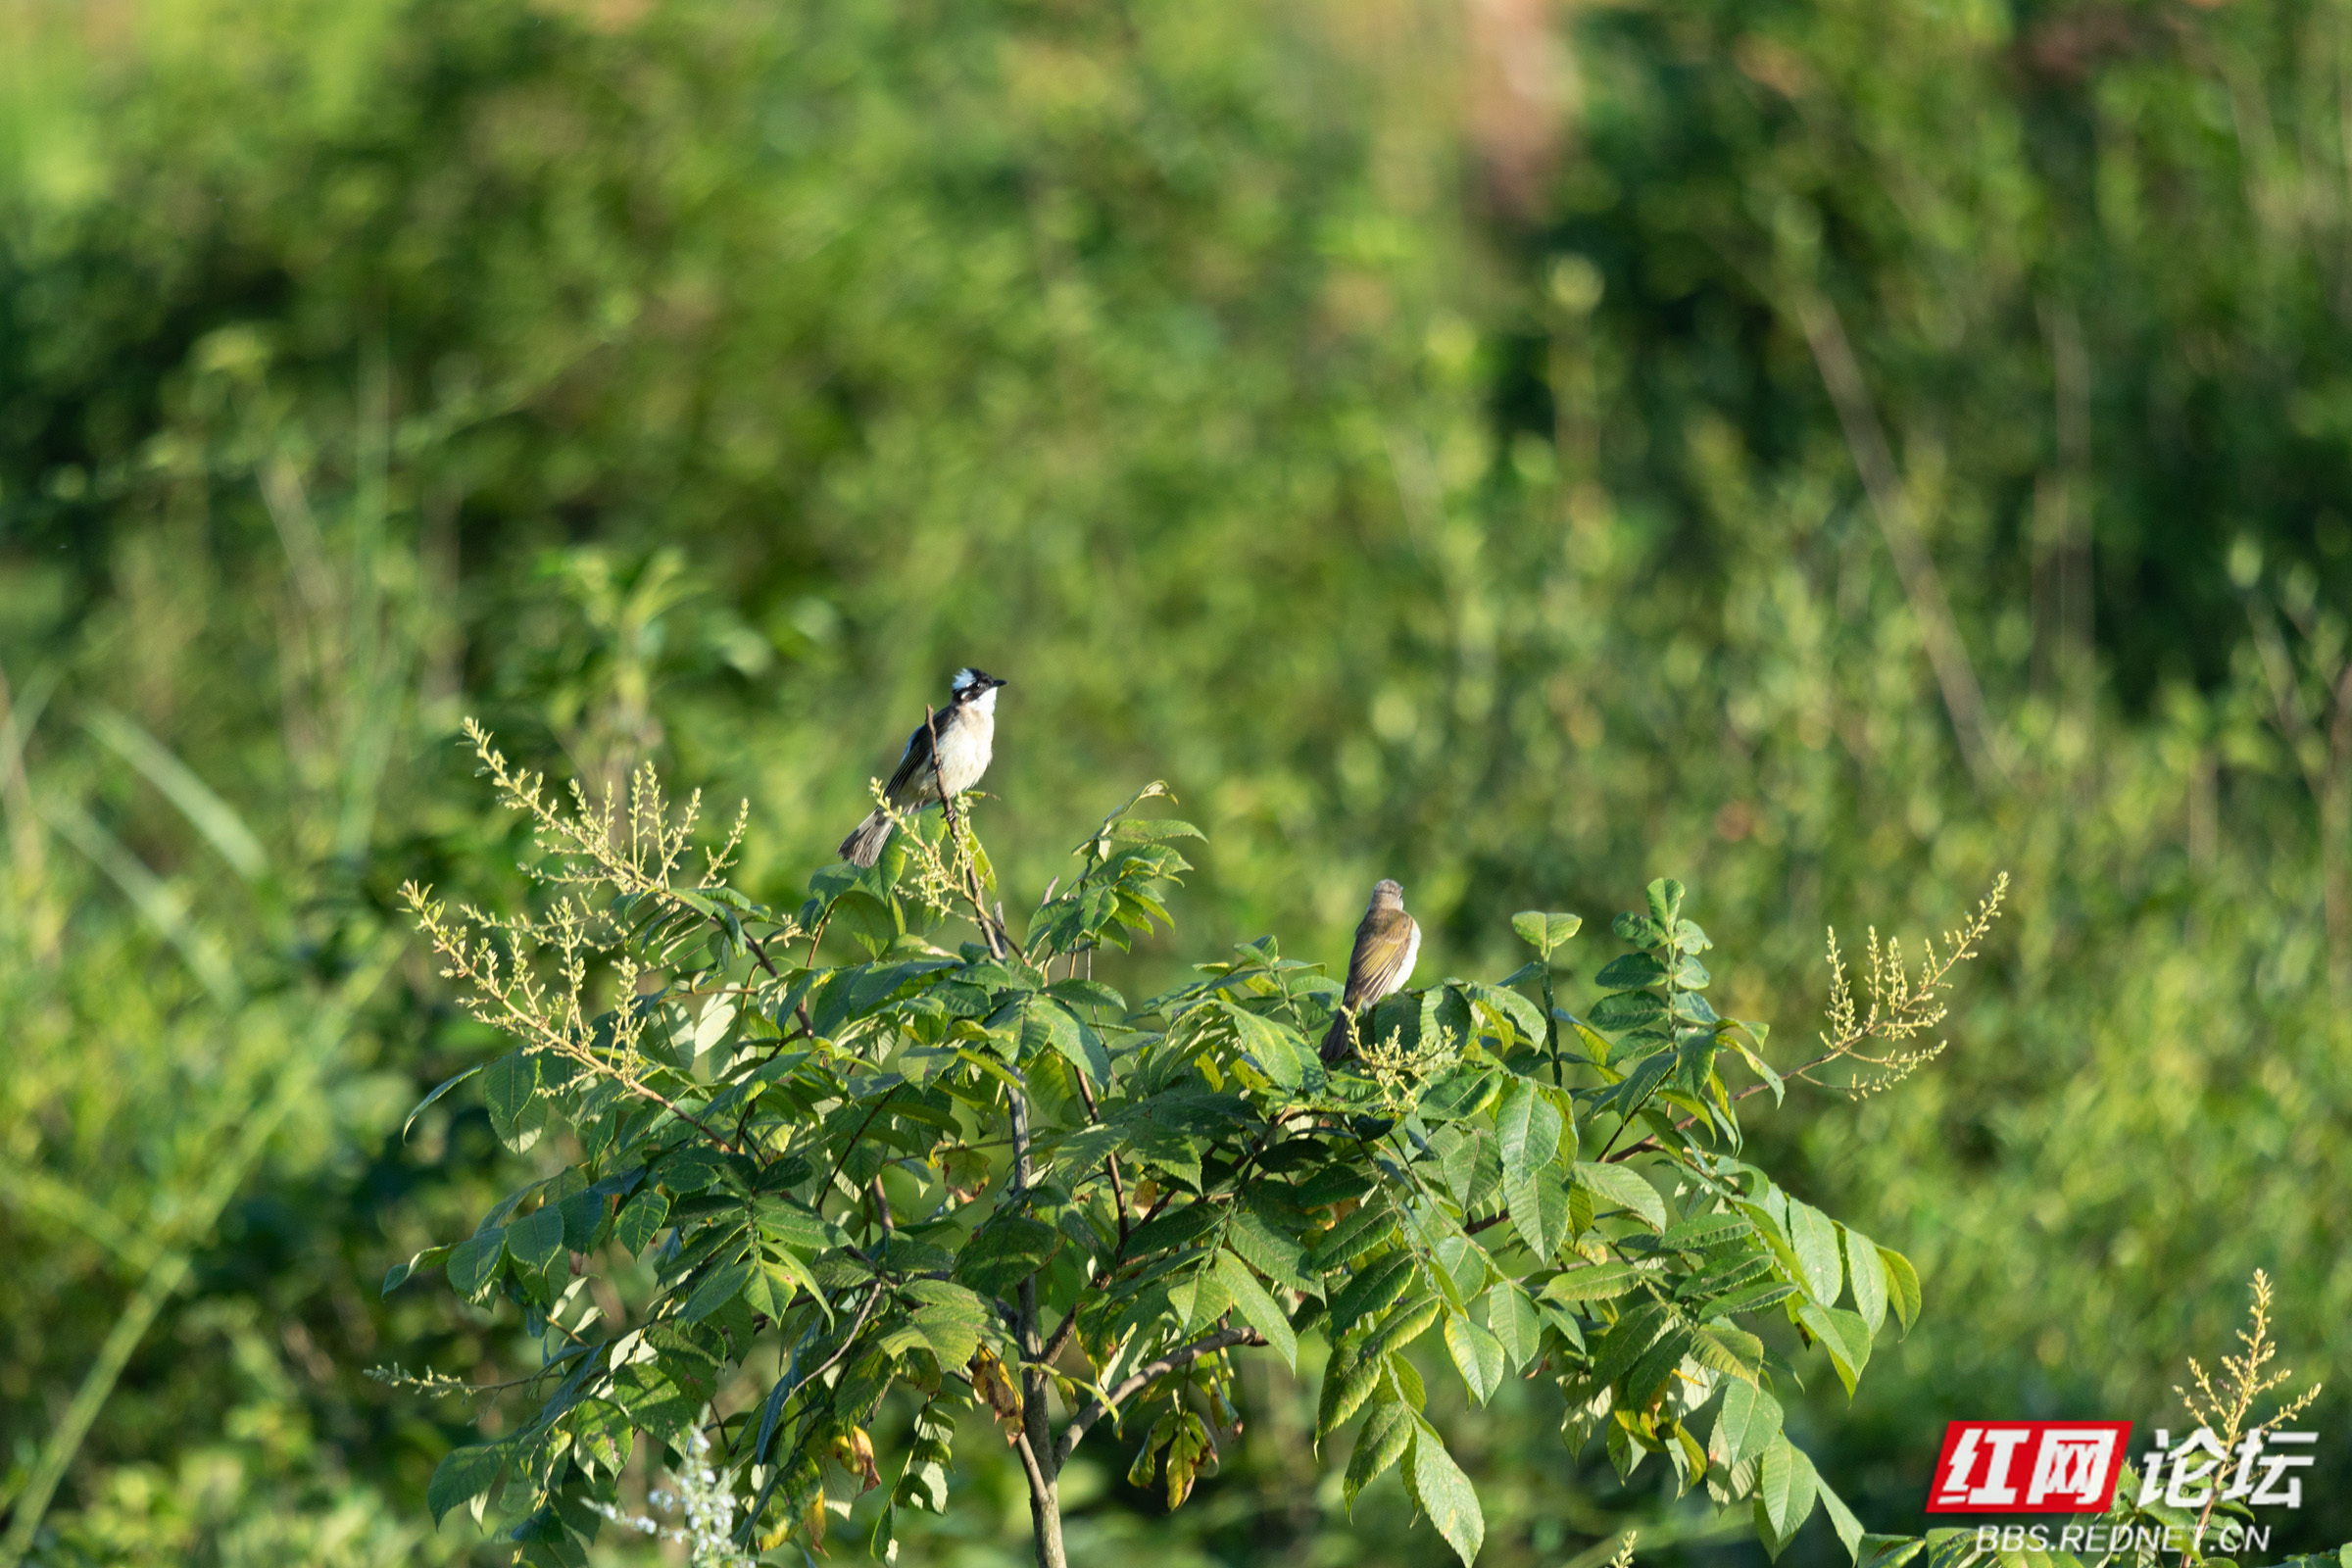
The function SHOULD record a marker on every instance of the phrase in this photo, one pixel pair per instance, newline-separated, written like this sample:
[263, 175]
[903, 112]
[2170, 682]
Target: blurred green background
[1831, 451]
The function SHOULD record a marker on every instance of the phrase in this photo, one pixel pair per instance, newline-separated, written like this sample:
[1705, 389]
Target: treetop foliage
[981, 1177]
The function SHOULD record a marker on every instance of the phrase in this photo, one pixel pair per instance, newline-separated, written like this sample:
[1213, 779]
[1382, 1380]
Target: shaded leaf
[462, 1475]
[1006, 1251]
[639, 1218]
[510, 1094]
[535, 1240]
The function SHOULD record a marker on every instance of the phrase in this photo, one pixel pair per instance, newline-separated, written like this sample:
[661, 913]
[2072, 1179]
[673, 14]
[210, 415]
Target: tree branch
[1207, 1345]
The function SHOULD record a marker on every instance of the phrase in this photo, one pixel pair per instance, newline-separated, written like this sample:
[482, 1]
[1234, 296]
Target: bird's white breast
[965, 745]
[1412, 951]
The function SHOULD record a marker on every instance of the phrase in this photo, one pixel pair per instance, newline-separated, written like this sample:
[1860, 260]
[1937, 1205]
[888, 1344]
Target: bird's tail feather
[1341, 1040]
[863, 846]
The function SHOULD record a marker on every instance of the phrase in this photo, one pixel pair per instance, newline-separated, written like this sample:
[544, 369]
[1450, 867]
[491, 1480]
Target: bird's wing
[917, 758]
[1382, 960]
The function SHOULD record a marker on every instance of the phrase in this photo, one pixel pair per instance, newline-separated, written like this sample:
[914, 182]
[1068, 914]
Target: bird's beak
[992, 682]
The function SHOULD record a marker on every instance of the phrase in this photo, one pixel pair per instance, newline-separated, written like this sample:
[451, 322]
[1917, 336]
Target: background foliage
[1495, 447]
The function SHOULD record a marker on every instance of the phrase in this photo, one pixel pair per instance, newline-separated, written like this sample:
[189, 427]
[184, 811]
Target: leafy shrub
[982, 1178]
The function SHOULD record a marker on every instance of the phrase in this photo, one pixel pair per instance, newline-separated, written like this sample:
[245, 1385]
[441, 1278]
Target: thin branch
[1039, 1484]
[1207, 1345]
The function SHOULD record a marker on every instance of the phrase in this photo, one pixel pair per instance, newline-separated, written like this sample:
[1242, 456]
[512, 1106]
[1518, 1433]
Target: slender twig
[1096, 1408]
[761, 953]
[1039, 1485]
[835, 1174]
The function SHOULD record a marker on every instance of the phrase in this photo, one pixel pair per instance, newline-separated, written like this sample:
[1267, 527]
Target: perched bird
[968, 737]
[1386, 946]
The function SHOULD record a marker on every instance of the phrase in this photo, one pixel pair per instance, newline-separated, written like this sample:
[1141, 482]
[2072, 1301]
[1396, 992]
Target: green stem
[1551, 1024]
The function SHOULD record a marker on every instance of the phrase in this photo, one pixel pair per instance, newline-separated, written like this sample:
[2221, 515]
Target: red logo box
[2028, 1466]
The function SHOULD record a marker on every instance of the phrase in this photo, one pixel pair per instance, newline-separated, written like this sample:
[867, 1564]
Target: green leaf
[1088, 993]
[1526, 1019]
[1355, 1235]
[473, 1262]
[1734, 1352]
[1388, 1431]
[1627, 1009]
[1257, 1308]
[1445, 1493]
[796, 1269]
[639, 1218]
[1892, 1552]
[1843, 1335]
[535, 1240]
[1515, 1323]
[1047, 1022]
[1263, 1234]
[1774, 1472]
[1477, 1356]
[1867, 1275]
[1648, 1073]
[1347, 1381]
[1404, 1324]
[1462, 1092]
[462, 1475]
[1813, 1237]
[716, 1289]
[1370, 1290]
[1624, 1187]
[1903, 1286]
[1005, 1253]
[1544, 932]
[1173, 1229]
[1745, 1424]
[1638, 929]
[1631, 972]
[1841, 1520]
[1627, 1341]
[1528, 1137]
[511, 1092]
[951, 1319]
[1280, 1053]
[443, 1087]
[1591, 1282]
[400, 1274]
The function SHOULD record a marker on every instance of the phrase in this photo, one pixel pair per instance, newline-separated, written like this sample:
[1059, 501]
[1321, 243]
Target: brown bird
[1386, 946]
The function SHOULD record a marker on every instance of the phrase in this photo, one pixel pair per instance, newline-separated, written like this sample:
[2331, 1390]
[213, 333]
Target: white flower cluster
[705, 1499]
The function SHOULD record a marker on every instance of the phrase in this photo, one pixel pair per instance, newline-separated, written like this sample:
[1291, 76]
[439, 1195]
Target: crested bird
[1386, 945]
[966, 731]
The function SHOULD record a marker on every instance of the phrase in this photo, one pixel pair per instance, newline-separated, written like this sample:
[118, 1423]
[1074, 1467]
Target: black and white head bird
[1386, 946]
[967, 738]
